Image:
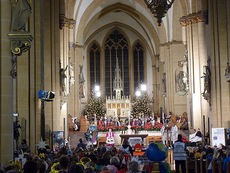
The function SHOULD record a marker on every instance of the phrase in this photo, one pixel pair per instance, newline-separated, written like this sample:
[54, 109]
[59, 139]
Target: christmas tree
[96, 107]
[141, 105]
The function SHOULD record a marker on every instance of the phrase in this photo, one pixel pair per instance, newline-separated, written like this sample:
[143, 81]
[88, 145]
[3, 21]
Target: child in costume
[93, 137]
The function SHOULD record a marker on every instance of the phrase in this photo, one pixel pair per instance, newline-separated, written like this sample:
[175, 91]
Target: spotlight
[98, 94]
[138, 93]
[143, 87]
[97, 88]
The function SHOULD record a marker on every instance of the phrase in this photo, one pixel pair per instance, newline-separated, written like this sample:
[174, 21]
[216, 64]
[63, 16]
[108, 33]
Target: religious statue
[227, 72]
[63, 79]
[207, 84]
[164, 84]
[71, 72]
[182, 86]
[81, 83]
[21, 10]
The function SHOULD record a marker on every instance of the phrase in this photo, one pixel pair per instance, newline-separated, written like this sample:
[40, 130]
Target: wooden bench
[150, 139]
[101, 140]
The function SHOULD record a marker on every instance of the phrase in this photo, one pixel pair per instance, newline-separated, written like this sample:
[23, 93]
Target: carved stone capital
[66, 22]
[20, 42]
[201, 16]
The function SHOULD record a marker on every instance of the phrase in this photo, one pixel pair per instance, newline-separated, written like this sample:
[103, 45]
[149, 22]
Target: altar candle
[129, 117]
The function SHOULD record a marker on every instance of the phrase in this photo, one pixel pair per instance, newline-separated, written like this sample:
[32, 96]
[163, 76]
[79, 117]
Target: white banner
[218, 136]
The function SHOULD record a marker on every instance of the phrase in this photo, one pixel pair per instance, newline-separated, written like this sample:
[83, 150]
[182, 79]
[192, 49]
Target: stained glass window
[94, 66]
[116, 46]
[138, 64]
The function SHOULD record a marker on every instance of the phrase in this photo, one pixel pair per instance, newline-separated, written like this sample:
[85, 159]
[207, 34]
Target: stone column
[171, 53]
[198, 58]
[6, 86]
[219, 19]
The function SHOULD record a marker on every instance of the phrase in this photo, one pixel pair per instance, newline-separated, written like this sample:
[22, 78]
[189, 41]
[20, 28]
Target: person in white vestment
[196, 136]
[110, 138]
[174, 133]
[164, 134]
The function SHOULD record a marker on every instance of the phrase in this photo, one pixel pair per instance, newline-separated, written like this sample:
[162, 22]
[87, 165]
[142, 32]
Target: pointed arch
[138, 63]
[93, 63]
[116, 44]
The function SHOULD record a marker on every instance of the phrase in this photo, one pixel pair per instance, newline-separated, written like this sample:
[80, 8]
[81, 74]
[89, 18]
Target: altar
[156, 135]
[124, 136]
[120, 105]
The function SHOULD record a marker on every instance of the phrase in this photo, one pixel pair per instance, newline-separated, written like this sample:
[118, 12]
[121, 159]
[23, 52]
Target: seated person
[196, 136]
[81, 144]
[24, 147]
[126, 147]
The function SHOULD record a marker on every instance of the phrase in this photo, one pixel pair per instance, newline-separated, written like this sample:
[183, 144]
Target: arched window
[116, 46]
[138, 64]
[94, 66]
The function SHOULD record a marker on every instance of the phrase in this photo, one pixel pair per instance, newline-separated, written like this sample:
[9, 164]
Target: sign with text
[218, 136]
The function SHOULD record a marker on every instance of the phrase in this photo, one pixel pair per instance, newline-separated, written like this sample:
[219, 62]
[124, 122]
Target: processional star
[42, 144]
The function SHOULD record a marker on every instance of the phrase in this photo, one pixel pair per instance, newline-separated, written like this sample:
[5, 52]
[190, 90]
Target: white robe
[194, 138]
[174, 133]
[164, 135]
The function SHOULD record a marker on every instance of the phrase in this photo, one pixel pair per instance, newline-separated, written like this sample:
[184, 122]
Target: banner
[218, 136]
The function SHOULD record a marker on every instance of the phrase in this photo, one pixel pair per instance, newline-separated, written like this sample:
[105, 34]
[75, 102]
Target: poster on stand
[218, 136]
[58, 139]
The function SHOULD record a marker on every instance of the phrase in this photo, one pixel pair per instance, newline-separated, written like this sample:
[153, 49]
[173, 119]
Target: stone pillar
[68, 62]
[78, 51]
[219, 24]
[6, 85]
[198, 58]
[171, 53]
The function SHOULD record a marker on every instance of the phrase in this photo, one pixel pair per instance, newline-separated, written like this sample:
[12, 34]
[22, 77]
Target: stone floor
[74, 138]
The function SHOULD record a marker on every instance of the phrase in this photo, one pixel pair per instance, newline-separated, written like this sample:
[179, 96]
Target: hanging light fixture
[159, 8]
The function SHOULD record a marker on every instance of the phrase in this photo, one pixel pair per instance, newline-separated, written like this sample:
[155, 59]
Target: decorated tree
[141, 105]
[96, 107]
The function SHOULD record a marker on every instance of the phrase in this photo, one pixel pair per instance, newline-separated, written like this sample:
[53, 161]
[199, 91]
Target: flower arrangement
[186, 141]
[148, 126]
[103, 128]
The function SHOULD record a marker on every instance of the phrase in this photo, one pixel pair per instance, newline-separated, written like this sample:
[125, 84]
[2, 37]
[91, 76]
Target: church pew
[203, 165]
[207, 164]
[220, 167]
[228, 168]
[197, 165]
[190, 165]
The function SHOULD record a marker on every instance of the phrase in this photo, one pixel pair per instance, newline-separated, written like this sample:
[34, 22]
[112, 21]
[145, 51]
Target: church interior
[59, 57]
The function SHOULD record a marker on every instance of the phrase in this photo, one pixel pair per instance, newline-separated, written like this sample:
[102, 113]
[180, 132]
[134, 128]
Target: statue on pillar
[63, 80]
[227, 72]
[71, 72]
[182, 85]
[21, 10]
[81, 83]
[207, 83]
[164, 84]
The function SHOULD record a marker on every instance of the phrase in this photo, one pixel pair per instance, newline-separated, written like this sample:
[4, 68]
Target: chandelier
[159, 8]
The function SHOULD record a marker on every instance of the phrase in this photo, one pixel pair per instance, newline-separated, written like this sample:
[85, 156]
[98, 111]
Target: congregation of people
[110, 159]
[89, 157]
